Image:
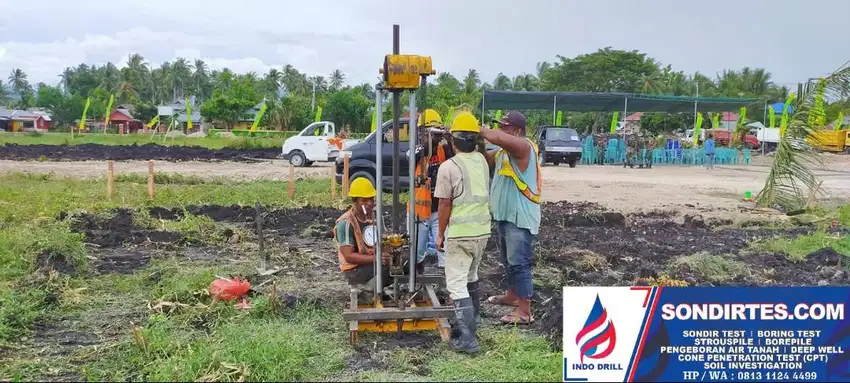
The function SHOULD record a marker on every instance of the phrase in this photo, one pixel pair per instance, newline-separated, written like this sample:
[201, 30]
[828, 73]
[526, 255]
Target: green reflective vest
[471, 209]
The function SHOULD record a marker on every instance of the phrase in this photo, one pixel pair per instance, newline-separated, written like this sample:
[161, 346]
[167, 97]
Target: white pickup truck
[317, 142]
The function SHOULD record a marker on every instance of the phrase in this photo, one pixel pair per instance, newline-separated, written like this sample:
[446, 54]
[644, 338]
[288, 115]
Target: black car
[558, 144]
[361, 161]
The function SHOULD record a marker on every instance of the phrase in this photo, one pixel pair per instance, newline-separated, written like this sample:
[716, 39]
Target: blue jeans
[427, 240]
[515, 252]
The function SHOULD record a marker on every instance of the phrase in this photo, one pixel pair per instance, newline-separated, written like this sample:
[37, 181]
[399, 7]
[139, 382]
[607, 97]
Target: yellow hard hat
[465, 122]
[430, 118]
[361, 188]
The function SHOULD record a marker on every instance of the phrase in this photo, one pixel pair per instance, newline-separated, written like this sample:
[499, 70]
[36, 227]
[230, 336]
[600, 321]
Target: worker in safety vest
[355, 237]
[515, 202]
[432, 152]
[464, 219]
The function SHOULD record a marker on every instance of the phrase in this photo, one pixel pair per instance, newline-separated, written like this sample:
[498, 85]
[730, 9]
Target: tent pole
[696, 102]
[762, 130]
[625, 113]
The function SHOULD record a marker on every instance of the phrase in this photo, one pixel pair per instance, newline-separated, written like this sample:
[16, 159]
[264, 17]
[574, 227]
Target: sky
[792, 40]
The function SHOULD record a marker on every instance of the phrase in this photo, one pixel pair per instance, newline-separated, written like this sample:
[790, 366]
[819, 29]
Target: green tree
[231, 104]
[347, 108]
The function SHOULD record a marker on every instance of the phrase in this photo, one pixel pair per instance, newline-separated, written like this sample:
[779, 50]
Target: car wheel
[363, 174]
[556, 163]
[573, 163]
[297, 159]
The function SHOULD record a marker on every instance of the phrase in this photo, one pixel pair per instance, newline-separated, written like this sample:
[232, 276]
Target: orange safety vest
[358, 239]
[508, 171]
[422, 194]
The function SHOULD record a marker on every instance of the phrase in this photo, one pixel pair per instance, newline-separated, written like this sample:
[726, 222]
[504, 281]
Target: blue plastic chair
[747, 156]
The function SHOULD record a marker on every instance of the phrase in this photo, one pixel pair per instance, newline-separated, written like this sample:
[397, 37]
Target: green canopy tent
[606, 102]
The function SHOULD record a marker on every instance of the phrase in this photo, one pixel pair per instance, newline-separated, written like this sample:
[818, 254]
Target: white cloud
[318, 36]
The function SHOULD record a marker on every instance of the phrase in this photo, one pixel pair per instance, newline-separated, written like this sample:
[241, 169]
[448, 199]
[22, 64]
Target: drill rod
[411, 165]
[379, 204]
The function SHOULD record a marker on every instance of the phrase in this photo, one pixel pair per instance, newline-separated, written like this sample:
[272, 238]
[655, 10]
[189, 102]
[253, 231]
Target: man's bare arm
[517, 147]
[356, 258]
[444, 211]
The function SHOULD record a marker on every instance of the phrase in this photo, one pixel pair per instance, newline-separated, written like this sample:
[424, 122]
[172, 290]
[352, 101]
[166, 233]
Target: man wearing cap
[355, 238]
[464, 225]
[515, 203]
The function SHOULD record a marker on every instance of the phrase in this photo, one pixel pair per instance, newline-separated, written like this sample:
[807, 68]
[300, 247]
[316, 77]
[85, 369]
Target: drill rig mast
[414, 305]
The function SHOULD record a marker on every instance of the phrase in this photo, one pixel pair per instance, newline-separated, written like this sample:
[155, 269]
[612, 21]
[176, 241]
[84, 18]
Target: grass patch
[712, 267]
[798, 248]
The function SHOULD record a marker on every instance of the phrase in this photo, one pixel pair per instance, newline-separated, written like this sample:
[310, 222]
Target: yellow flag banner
[715, 121]
[498, 117]
[698, 128]
[614, 120]
[837, 124]
[109, 110]
[153, 122]
[258, 117]
[85, 110]
[783, 122]
[188, 115]
[559, 118]
[318, 114]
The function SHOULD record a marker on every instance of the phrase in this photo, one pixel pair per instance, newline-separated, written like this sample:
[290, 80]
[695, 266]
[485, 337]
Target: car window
[314, 130]
[402, 132]
[561, 134]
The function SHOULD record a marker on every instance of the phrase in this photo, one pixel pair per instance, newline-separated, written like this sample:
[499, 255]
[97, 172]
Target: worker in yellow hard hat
[355, 237]
[432, 150]
[516, 191]
[464, 225]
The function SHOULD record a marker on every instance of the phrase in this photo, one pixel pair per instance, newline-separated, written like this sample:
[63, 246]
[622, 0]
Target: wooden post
[333, 182]
[110, 179]
[291, 181]
[150, 180]
[345, 175]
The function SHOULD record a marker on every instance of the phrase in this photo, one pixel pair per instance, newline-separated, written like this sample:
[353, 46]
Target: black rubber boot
[465, 314]
[475, 295]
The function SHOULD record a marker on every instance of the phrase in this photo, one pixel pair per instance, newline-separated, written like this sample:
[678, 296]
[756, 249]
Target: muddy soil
[87, 152]
[579, 244]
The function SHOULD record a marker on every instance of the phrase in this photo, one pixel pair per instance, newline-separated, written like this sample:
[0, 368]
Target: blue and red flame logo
[597, 338]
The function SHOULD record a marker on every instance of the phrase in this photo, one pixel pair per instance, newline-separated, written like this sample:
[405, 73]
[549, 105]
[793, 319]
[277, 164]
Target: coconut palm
[18, 80]
[791, 176]
[337, 80]
[502, 82]
[4, 94]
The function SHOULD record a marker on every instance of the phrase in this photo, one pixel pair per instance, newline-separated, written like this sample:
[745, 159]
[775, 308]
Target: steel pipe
[411, 166]
[379, 214]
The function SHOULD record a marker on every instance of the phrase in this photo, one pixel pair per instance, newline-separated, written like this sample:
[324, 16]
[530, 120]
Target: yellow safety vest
[507, 170]
[471, 209]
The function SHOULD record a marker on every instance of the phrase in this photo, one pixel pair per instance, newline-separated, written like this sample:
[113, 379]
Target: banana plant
[791, 175]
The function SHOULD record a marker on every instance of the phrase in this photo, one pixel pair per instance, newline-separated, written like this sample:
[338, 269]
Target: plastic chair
[747, 156]
[657, 156]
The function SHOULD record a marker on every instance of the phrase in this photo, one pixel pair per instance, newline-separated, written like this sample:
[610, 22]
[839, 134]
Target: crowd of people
[461, 190]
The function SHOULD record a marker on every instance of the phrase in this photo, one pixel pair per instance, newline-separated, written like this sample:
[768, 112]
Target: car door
[387, 150]
[316, 141]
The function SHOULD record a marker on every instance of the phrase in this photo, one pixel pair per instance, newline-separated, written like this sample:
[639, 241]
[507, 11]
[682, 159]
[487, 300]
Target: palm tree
[337, 80]
[201, 79]
[18, 80]
[472, 82]
[181, 75]
[502, 82]
[791, 176]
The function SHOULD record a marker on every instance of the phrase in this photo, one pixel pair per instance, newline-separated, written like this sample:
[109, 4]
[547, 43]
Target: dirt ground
[581, 244]
[84, 152]
[712, 193]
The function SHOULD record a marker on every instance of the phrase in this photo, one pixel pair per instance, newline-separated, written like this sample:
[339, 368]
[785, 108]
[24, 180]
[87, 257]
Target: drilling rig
[412, 304]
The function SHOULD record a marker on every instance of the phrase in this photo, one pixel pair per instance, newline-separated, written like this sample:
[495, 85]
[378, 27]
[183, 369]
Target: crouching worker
[355, 237]
[464, 225]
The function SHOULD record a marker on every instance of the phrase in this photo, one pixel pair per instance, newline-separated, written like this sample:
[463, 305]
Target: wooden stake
[291, 181]
[150, 180]
[333, 182]
[110, 178]
[345, 175]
